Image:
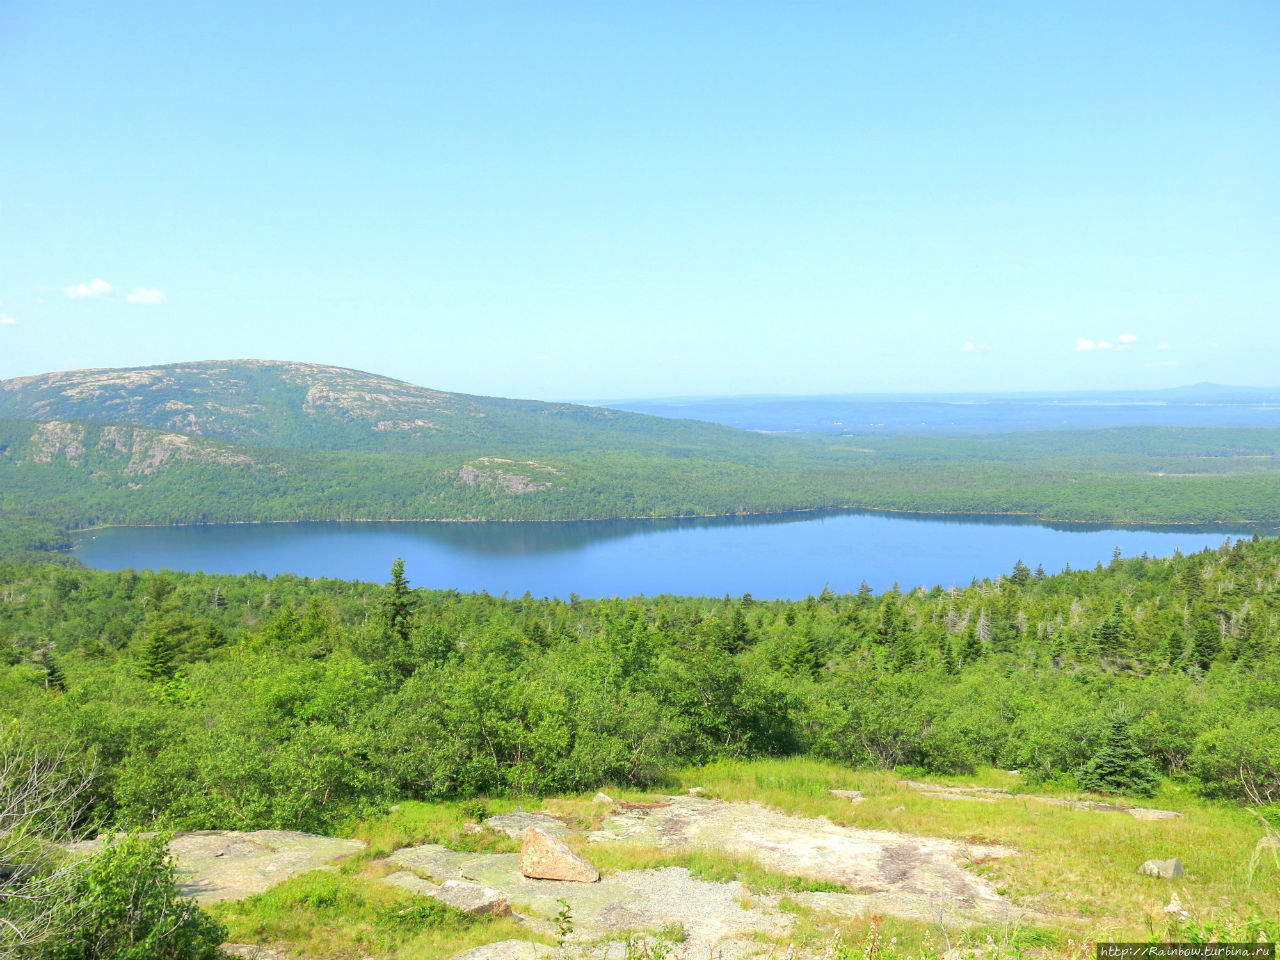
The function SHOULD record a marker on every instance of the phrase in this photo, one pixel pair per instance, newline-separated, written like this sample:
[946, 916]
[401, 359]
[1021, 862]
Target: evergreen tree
[1021, 574]
[970, 648]
[398, 605]
[54, 678]
[156, 661]
[1120, 766]
[1207, 641]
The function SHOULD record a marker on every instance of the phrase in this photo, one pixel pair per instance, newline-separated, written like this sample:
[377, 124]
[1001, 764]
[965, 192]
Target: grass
[412, 823]
[1079, 866]
[709, 865]
[325, 914]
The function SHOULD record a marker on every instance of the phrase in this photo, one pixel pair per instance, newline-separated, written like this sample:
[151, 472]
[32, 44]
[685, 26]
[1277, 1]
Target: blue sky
[592, 200]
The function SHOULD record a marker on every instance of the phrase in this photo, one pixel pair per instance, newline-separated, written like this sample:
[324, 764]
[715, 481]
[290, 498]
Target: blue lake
[789, 556]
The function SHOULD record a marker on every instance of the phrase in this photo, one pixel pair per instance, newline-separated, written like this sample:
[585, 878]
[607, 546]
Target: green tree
[398, 604]
[156, 660]
[1119, 765]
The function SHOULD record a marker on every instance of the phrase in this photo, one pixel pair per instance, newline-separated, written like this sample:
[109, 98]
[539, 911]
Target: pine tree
[970, 648]
[54, 678]
[1120, 766]
[1207, 642]
[156, 660]
[1021, 574]
[398, 604]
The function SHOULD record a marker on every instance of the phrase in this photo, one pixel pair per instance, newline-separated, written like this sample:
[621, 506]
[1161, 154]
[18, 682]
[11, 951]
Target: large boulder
[1167, 869]
[544, 857]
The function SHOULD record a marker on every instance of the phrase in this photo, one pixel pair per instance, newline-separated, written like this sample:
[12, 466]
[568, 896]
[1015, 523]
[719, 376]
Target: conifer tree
[399, 604]
[54, 678]
[1120, 766]
[156, 660]
[970, 648]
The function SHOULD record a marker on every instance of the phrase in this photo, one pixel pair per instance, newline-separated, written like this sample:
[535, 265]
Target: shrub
[124, 904]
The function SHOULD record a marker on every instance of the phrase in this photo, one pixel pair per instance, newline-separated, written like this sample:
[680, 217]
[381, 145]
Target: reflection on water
[783, 555]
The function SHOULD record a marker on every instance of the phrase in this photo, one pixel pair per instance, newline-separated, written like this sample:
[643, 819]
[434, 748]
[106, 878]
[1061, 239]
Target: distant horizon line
[1190, 391]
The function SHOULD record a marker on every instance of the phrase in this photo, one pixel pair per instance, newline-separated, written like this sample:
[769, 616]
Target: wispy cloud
[149, 296]
[1163, 363]
[1127, 338]
[1085, 345]
[8, 321]
[971, 347]
[1163, 346]
[87, 291]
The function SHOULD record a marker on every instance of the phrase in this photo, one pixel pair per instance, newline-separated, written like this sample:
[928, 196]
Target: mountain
[254, 441]
[312, 407]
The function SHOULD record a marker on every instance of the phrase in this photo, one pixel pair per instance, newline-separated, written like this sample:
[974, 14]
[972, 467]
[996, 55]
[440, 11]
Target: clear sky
[589, 200]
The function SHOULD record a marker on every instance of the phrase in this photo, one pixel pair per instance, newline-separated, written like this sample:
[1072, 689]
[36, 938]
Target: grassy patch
[412, 823]
[704, 864]
[324, 914]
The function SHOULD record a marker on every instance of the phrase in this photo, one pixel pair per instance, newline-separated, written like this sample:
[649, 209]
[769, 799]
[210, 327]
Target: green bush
[124, 904]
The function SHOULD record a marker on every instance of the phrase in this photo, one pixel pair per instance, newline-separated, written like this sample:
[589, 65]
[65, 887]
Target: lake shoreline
[798, 511]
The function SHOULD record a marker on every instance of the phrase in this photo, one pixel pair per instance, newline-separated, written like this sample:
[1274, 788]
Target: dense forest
[245, 702]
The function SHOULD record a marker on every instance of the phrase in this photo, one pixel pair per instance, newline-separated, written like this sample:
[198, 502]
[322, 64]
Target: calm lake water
[789, 556]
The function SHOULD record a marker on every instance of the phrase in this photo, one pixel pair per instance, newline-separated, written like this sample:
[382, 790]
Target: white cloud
[1127, 338]
[8, 321]
[1163, 346]
[1163, 363]
[147, 295]
[968, 345]
[86, 291]
[1085, 345]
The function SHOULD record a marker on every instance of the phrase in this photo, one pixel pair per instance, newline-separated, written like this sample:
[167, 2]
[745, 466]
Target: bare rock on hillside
[462, 895]
[544, 857]
[217, 865]
[908, 875]
[515, 824]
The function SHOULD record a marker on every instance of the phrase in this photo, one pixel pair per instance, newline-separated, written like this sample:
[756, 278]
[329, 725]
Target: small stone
[602, 797]
[853, 795]
[544, 857]
[696, 791]
[1167, 869]
[471, 828]
[897, 809]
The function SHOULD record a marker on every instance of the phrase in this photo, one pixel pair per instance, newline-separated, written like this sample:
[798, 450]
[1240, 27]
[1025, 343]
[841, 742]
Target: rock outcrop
[544, 857]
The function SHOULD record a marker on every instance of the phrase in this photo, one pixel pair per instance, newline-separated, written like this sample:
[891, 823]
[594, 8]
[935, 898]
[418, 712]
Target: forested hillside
[251, 441]
[212, 702]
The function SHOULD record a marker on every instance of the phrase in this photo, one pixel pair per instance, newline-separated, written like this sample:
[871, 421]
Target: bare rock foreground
[884, 872]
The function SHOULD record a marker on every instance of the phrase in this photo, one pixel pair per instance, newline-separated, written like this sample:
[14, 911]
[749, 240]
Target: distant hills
[1197, 405]
[254, 440]
[312, 407]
